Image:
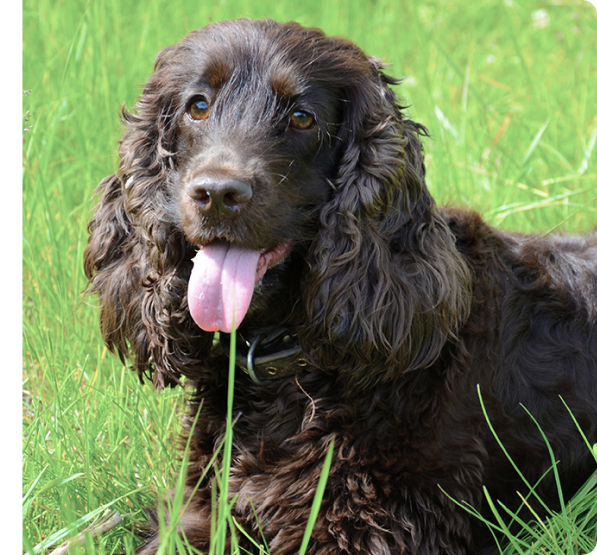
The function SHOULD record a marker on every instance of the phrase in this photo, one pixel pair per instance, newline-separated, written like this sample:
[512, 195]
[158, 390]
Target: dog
[271, 184]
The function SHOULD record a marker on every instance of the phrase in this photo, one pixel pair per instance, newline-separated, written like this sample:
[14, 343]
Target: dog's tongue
[221, 285]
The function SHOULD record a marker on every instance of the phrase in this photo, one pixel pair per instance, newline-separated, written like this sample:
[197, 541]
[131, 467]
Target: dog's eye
[199, 109]
[302, 120]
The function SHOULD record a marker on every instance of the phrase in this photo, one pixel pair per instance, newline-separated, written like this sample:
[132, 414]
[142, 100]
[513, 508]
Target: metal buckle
[256, 365]
[250, 369]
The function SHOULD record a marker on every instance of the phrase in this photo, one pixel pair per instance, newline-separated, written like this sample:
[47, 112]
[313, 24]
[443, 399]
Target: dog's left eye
[199, 109]
[299, 119]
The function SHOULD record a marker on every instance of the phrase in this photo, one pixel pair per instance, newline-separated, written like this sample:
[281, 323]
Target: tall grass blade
[535, 142]
[325, 471]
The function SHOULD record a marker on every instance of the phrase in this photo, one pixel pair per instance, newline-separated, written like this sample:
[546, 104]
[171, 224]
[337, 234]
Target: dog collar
[266, 354]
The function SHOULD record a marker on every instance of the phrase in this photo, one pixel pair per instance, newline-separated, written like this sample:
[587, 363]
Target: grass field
[507, 89]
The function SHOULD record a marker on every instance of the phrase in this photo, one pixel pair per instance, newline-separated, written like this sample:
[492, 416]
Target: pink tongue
[221, 285]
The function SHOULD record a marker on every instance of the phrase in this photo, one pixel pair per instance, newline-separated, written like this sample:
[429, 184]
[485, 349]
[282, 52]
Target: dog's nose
[217, 197]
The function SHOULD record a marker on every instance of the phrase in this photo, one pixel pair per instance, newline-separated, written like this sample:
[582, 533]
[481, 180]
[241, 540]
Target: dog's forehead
[268, 62]
[289, 58]
[251, 70]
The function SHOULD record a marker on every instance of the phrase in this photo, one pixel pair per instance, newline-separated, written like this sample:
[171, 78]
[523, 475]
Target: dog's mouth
[222, 281]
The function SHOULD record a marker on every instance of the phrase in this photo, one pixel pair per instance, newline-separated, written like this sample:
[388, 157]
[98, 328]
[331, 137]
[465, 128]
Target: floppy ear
[386, 286]
[136, 260]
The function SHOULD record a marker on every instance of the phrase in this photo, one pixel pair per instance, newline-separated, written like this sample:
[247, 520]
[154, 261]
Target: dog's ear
[136, 259]
[386, 286]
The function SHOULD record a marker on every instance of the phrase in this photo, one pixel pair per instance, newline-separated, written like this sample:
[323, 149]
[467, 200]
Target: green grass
[506, 90]
[572, 530]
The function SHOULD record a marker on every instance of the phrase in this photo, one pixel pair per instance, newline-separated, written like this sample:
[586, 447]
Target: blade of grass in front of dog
[592, 448]
[501, 526]
[557, 533]
[323, 478]
[219, 527]
[554, 463]
[230, 401]
[173, 537]
[504, 450]
[248, 536]
[492, 526]
[263, 548]
[259, 525]
[519, 545]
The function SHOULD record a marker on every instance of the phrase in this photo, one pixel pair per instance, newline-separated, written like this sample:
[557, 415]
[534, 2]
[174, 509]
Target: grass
[506, 88]
[572, 530]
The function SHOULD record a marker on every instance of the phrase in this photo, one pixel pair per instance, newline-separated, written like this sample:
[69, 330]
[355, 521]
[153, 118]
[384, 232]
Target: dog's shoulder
[550, 264]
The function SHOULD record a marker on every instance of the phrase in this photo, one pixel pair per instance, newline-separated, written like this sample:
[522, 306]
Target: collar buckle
[267, 354]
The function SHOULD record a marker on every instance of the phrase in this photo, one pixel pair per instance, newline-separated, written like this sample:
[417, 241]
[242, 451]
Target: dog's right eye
[198, 109]
[299, 119]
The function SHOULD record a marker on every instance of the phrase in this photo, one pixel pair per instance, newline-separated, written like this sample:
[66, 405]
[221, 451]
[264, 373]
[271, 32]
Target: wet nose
[219, 197]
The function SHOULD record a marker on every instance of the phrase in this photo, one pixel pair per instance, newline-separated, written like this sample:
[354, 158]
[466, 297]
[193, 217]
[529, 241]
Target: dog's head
[279, 160]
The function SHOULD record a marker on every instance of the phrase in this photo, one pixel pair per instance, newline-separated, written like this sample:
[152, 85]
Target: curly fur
[401, 309]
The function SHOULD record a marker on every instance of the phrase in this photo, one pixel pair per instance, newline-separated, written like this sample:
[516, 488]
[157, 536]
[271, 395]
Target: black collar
[266, 354]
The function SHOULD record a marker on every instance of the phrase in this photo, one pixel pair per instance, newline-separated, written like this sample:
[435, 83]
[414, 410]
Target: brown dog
[278, 160]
